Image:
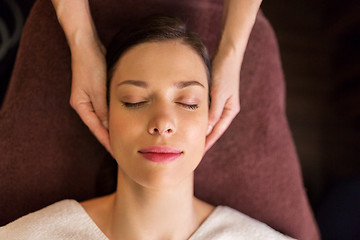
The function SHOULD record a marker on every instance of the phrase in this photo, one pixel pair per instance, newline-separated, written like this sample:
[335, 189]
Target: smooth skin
[88, 91]
[155, 200]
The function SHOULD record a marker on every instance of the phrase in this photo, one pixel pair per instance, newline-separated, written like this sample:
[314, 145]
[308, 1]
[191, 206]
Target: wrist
[231, 48]
[80, 37]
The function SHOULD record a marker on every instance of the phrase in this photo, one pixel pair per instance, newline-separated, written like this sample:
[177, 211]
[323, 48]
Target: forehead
[171, 60]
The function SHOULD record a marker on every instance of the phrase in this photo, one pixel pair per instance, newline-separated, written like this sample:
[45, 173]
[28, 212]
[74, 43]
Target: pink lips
[160, 154]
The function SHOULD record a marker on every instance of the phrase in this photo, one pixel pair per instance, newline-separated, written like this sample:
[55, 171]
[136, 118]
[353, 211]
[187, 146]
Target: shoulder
[228, 223]
[61, 220]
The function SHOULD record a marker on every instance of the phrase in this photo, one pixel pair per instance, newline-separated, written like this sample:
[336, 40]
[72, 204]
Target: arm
[88, 89]
[237, 22]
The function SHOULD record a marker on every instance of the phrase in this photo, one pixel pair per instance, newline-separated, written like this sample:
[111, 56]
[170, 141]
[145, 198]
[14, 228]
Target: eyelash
[139, 104]
[133, 105]
[190, 106]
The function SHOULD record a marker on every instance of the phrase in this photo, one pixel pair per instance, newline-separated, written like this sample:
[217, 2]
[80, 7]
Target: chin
[136, 169]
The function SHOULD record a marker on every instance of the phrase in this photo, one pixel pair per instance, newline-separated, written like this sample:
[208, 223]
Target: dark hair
[154, 28]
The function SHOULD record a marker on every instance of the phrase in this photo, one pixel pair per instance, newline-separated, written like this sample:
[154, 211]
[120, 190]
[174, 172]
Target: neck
[145, 213]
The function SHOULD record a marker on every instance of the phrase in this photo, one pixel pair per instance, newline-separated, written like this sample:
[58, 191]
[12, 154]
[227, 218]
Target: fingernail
[209, 130]
[105, 124]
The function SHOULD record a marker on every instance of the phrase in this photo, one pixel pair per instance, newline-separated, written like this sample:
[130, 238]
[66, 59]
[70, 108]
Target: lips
[160, 153]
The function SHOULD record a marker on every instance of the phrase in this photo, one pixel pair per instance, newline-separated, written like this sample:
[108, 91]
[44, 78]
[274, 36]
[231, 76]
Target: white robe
[67, 219]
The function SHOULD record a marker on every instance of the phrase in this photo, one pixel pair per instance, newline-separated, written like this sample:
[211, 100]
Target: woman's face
[158, 98]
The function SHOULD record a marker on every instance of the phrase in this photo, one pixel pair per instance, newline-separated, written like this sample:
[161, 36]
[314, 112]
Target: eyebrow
[179, 85]
[133, 82]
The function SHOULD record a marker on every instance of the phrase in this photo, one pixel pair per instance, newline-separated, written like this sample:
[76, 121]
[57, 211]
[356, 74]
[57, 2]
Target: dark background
[320, 50]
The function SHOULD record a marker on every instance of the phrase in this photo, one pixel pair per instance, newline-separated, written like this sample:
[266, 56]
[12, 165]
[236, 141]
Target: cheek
[124, 129]
[193, 130]
[194, 135]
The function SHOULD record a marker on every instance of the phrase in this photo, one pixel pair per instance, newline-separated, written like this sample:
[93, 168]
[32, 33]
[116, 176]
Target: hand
[224, 92]
[88, 89]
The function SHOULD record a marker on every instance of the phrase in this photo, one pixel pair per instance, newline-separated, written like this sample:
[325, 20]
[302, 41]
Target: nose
[162, 123]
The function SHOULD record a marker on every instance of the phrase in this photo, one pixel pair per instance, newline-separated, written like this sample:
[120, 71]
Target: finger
[102, 48]
[100, 106]
[216, 109]
[88, 116]
[220, 128]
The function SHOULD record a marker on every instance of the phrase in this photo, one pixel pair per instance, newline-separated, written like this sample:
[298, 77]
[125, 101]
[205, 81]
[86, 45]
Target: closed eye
[189, 106]
[139, 104]
[134, 105]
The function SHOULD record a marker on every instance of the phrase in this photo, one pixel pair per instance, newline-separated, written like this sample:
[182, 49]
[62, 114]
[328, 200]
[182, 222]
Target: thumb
[216, 109]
